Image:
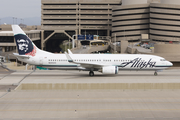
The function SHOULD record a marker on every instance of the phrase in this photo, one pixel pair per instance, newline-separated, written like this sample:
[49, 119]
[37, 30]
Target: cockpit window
[162, 59]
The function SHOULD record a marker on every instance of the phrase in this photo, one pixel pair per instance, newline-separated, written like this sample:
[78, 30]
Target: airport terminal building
[157, 18]
[82, 17]
[123, 19]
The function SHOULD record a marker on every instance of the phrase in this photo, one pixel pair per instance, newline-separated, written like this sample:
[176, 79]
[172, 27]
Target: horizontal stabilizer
[21, 56]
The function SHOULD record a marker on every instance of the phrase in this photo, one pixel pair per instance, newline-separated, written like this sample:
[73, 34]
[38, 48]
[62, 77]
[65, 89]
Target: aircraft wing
[21, 56]
[84, 64]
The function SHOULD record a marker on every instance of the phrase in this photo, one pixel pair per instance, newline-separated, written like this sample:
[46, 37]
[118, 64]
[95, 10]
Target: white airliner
[105, 63]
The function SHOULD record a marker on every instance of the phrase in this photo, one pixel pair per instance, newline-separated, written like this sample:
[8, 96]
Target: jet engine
[110, 70]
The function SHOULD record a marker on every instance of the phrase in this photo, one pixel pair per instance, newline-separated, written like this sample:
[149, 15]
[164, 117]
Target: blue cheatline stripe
[163, 66]
[120, 65]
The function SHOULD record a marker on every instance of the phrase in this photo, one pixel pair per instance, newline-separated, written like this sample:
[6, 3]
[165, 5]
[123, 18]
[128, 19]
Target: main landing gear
[155, 73]
[91, 73]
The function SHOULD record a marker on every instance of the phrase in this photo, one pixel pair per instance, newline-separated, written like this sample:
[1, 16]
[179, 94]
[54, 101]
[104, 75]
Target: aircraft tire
[155, 74]
[91, 73]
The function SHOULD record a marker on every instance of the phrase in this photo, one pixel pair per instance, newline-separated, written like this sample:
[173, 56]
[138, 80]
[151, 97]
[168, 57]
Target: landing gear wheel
[155, 74]
[91, 73]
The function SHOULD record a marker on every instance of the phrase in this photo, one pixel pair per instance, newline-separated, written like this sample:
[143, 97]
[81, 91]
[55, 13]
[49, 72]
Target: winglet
[69, 51]
[68, 57]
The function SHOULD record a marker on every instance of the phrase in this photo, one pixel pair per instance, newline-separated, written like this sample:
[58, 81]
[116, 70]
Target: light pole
[16, 20]
[13, 20]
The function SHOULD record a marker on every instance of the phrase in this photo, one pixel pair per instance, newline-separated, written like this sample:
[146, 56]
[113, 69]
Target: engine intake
[110, 70]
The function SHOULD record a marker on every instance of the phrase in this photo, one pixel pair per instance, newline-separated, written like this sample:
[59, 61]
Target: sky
[20, 8]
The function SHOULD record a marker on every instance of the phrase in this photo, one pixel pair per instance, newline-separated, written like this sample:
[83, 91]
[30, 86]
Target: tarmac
[65, 80]
[73, 95]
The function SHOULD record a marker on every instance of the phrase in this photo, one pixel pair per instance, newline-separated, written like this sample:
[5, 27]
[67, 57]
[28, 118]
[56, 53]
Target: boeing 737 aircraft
[105, 63]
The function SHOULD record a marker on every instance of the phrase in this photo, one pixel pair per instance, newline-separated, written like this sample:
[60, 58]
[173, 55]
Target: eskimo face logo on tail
[25, 46]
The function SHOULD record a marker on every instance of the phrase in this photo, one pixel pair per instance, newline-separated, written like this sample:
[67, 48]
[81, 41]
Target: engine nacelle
[110, 70]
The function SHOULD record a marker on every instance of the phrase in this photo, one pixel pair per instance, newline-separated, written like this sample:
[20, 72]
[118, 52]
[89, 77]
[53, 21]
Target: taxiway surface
[97, 99]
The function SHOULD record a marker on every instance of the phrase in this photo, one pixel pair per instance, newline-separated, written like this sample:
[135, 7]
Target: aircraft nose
[170, 64]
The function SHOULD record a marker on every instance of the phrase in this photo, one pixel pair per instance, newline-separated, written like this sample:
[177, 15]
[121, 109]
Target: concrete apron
[73, 80]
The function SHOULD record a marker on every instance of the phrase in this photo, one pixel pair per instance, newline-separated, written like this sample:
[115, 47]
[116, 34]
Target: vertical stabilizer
[24, 45]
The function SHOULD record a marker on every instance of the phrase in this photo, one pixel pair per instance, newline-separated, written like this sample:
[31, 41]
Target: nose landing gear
[155, 73]
[91, 73]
